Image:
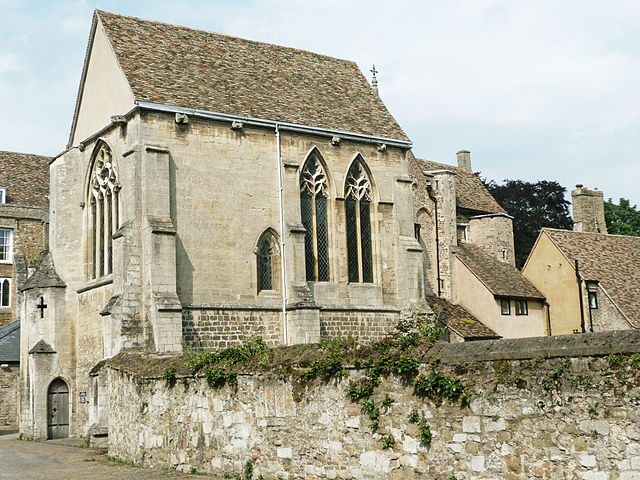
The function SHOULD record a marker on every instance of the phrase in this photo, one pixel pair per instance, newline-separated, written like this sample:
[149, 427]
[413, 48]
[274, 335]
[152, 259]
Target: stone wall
[364, 326]
[212, 328]
[9, 397]
[531, 416]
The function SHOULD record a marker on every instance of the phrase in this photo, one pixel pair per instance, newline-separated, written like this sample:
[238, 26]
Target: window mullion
[314, 222]
[359, 241]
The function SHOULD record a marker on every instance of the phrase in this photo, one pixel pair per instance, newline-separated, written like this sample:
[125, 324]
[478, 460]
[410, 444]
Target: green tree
[622, 219]
[532, 206]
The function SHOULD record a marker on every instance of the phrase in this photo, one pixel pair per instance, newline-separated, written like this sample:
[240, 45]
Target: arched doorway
[58, 410]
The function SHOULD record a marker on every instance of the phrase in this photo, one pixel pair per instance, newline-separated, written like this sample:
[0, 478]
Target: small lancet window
[313, 206]
[103, 210]
[268, 262]
[358, 216]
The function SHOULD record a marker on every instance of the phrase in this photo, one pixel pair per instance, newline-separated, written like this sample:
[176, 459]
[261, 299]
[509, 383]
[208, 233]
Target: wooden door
[58, 410]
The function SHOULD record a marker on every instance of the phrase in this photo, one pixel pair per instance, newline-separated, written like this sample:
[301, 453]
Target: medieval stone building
[213, 188]
[468, 252]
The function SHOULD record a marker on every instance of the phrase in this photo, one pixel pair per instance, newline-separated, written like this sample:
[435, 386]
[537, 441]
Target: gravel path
[51, 460]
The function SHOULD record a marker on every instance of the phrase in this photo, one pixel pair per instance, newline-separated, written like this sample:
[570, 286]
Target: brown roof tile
[180, 66]
[459, 320]
[26, 178]
[502, 279]
[611, 260]
[470, 192]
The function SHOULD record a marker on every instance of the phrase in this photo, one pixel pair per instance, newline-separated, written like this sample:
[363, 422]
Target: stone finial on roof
[374, 80]
[45, 276]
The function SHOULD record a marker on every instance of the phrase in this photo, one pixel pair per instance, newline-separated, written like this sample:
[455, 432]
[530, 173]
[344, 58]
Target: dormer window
[3, 195]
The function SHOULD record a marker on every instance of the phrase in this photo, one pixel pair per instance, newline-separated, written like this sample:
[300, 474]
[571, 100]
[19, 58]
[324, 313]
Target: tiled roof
[612, 260]
[26, 178]
[470, 192]
[502, 279]
[459, 320]
[10, 342]
[180, 66]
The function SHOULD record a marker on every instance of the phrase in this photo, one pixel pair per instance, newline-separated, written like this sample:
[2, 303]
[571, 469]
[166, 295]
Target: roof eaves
[260, 122]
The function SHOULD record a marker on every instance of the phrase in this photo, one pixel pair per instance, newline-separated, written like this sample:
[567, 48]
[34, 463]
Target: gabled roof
[26, 178]
[471, 194]
[500, 278]
[460, 320]
[45, 276]
[10, 342]
[611, 260]
[180, 66]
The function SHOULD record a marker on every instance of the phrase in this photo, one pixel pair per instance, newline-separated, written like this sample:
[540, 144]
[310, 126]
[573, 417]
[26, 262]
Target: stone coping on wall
[149, 365]
[577, 345]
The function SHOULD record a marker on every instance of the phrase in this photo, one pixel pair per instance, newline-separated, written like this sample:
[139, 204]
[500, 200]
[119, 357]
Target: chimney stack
[464, 159]
[588, 210]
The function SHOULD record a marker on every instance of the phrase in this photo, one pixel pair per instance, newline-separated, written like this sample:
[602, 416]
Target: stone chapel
[212, 188]
[215, 188]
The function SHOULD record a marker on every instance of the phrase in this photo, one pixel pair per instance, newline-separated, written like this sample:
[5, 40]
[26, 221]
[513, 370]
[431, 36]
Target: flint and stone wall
[534, 414]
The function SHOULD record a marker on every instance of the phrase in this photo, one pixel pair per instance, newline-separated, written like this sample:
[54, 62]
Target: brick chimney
[464, 159]
[588, 210]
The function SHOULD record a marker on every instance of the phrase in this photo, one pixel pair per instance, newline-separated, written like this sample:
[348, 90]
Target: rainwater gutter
[282, 254]
[580, 296]
[282, 126]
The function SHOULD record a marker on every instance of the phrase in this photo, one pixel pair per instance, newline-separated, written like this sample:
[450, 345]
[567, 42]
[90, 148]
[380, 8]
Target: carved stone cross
[41, 306]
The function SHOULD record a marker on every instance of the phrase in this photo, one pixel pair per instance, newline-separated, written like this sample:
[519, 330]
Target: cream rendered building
[213, 188]
[589, 277]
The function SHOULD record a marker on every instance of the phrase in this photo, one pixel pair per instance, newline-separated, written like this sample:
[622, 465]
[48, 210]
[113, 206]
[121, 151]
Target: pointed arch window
[358, 217]
[268, 262]
[313, 207]
[104, 207]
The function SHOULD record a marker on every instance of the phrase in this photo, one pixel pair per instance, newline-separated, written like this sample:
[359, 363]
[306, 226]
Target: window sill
[95, 283]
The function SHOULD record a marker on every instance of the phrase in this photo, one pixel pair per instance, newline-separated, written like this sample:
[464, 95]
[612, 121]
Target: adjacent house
[591, 279]
[469, 258]
[24, 213]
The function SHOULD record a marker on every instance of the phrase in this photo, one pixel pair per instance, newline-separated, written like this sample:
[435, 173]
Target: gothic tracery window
[268, 262]
[358, 218]
[104, 211]
[313, 206]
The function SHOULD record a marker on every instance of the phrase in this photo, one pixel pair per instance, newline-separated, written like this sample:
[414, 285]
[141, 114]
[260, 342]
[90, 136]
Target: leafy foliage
[532, 206]
[438, 386]
[622, 219]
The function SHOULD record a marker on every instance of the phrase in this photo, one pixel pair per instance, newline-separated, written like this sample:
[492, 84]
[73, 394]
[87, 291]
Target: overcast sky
[536, 90]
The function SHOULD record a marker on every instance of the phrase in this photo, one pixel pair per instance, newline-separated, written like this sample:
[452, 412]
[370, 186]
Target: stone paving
[56, 460]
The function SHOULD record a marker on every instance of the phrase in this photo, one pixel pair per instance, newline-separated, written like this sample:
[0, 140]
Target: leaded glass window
[267, 262]
[103, 211]
[358, 217]
[313, 207]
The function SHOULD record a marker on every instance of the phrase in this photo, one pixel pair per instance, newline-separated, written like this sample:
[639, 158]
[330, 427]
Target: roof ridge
[613, 235]
[439, 163]
[25, 153]
[257, 42]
